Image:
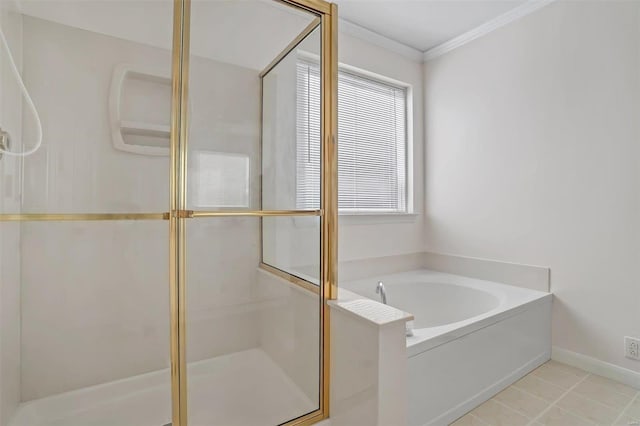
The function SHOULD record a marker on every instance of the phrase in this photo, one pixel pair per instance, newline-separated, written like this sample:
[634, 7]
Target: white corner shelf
[132, 136]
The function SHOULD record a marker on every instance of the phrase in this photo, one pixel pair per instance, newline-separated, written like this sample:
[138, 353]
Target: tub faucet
[382, 292]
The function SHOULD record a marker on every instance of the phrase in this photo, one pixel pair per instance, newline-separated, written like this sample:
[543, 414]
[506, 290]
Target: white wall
[533, 157]
[362, 237]
[10, 120]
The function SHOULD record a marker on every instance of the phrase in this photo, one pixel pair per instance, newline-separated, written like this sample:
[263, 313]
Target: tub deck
[456, 366]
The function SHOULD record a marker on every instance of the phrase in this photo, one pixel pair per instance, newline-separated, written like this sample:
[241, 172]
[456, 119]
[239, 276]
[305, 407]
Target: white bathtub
[471, 339]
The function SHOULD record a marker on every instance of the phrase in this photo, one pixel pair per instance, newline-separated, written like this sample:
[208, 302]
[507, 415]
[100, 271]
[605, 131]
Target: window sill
[383, 214]
[361, 218]
[375, 217]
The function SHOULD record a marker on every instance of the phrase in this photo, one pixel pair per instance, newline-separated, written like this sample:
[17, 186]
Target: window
[372, 142]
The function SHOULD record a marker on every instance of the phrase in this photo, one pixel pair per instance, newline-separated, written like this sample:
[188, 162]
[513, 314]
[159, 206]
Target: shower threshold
[240, 389]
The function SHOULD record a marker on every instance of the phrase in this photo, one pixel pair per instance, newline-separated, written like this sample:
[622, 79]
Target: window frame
[408, 88]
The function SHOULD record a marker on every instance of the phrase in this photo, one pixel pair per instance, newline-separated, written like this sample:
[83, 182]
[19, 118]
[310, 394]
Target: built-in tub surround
[482, 334]
[368, 362]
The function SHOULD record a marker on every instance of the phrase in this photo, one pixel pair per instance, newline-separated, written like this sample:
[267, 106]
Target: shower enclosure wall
[156, 263]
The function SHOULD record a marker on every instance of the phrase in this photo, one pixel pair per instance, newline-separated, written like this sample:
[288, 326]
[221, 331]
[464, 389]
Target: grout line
[554, 403]
[626, 407]
[556, 385]
[561, 367]
[471, 415]
[608, 391]
[577, 414]
[580, 393]
[479, 419]
[522, 413]
[535, 419]
[530, 394]
[555, 373]
[602, 403]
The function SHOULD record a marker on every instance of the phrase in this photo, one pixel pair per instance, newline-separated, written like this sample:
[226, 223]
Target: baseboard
[595, 366]
[488, 392]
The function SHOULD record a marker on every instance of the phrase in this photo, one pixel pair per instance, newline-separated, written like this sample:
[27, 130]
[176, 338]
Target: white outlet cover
[632, 348]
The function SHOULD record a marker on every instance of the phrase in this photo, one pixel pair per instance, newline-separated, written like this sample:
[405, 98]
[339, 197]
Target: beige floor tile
[627, 421]
[633, 410]
[521, 401]
[555, 365]
[540, 388]
[558, 417]
[603, 392]
[557, 376]
[588, 409]
[613, 385]
[497, 414]
[468, 420]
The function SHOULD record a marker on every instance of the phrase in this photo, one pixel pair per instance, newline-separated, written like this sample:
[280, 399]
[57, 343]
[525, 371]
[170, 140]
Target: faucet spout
[382, 292]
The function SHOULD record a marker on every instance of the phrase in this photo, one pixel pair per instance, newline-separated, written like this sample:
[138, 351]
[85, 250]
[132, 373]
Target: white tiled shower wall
[113, 275]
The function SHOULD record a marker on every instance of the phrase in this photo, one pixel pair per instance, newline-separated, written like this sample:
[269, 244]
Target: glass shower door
[84, 215]
[254, 306]
[149, 266]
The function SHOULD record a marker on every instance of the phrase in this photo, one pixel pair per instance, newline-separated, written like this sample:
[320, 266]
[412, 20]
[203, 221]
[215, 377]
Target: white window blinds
[372, 140]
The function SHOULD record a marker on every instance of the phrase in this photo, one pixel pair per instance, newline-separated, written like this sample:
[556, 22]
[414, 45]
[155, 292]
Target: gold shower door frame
[178, 214]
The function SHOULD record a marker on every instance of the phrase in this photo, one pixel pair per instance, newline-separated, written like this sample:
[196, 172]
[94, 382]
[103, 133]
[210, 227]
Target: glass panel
[102, 94]
[225, 102]
[263, 329]
[291, 160]
[253, 338]
[84, 305]
[292, 244]
[94, 311]
[291, 130]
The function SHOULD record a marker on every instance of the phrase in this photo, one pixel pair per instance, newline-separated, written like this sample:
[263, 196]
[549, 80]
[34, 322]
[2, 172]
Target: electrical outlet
[631, 347]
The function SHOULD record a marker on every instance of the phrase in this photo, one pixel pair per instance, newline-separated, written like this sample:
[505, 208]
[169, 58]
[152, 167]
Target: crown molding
[484, 29]
[362, 33]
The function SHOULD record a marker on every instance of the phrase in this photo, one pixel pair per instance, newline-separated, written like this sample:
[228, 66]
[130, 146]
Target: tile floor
[557, 394]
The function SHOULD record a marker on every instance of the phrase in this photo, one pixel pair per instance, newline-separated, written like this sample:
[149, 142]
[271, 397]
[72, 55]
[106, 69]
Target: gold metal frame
[73, 217]
[178, 214]
[259, 213]
[329, 189]
[314, 288]
[177, 220]
[296, 41]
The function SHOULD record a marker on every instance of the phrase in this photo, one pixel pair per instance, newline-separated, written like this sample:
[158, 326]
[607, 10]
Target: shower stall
[167, 252]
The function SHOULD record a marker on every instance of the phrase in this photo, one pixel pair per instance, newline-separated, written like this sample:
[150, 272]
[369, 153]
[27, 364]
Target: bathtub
[471, 338]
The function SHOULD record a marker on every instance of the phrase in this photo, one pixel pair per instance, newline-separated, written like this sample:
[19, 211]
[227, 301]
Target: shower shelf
[144, 129]
[136, 91]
